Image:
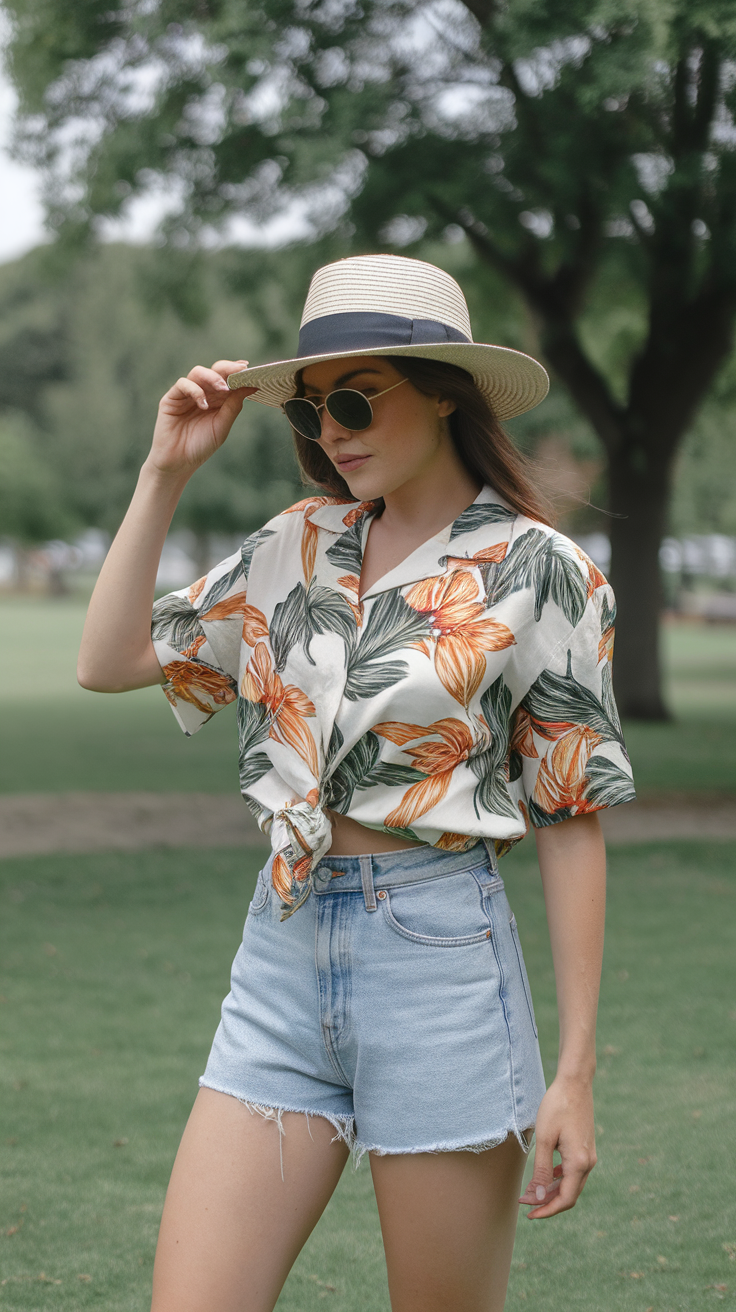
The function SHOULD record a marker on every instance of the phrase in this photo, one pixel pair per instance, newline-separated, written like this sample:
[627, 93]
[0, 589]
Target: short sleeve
[197, 635]
[566, 744]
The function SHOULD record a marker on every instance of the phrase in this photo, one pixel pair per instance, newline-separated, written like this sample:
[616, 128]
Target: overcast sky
[21, 213]
[21, 216]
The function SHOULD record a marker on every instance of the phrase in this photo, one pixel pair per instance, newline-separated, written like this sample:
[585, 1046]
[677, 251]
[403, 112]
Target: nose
[332, 431]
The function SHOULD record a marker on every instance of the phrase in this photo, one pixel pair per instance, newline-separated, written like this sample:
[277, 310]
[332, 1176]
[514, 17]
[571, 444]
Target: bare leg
[448, 1222]
[231, 1227]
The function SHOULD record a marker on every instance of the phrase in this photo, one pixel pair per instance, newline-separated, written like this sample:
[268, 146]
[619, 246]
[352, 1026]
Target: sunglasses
[348, 408]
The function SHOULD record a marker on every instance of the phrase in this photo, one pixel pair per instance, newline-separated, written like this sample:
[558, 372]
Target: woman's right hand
[194, 418]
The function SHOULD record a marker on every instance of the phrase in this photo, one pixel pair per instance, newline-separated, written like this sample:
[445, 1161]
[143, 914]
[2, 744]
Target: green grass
[114, 971]
[58, 737]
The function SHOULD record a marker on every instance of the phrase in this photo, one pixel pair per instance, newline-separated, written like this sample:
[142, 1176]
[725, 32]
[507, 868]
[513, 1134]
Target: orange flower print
[310, 532]
[561, 780]
[522, 736]
[222, 610]
[455, 842]
[187, 678]
[487, 555]
[605, 646]
[255, 628]
[438, 760]
[190, 652]
[354, 515]
[287, 706]
[461, 631]
[595, 578]
[351, 583]
[196, 589]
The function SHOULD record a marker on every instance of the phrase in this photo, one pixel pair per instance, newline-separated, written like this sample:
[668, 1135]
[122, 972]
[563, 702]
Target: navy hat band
[365, 330]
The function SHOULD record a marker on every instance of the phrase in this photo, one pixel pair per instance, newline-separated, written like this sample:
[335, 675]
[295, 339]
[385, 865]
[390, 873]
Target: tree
[32, 504]
[576, 145]
[87, 349]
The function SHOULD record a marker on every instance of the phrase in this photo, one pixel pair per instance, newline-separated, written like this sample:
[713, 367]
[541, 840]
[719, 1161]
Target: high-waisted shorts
[394, 1003]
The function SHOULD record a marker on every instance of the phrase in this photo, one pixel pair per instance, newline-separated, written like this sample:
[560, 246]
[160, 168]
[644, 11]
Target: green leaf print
[253, 768]
[609, 785]
[334, 747]
[391, 625]
[539, 561]
[175, 621]
[220, 588]
[491, 793]
[408, 834]
[305, 613]
[477, 516]
[609, 701]
[365, 681]
[608, 615]
[361, 769]
[253, 725]
[346, 777]
[540, 819]
[347, 551]
[560, 699]
[250, 545]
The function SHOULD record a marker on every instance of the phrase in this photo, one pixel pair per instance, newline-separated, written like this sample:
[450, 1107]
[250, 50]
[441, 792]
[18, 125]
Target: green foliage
[87, 352]
[704, 493]
[32, 506]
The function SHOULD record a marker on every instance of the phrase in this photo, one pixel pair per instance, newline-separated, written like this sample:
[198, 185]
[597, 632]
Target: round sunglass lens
[304, 417]
[350, 409]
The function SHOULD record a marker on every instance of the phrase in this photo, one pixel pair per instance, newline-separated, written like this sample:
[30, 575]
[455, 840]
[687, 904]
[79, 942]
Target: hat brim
[511, 381]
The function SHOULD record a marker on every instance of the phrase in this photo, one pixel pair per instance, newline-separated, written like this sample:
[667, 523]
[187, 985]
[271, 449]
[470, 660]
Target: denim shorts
[394, 1003]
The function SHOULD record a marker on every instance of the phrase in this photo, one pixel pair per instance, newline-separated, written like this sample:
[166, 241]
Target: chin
[363, 489]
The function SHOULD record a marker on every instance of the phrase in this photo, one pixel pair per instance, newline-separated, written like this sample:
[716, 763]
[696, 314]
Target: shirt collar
[430, 558]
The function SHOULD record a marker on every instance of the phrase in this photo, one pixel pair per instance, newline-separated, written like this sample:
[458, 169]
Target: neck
[433, 498]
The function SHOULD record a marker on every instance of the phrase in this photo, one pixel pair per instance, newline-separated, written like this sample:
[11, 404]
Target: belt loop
[492, 858]
[366, 878]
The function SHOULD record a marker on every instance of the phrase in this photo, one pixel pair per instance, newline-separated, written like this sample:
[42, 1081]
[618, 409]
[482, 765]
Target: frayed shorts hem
[345, 1131]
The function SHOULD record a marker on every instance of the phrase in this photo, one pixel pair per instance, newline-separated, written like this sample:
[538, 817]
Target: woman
[421, 666]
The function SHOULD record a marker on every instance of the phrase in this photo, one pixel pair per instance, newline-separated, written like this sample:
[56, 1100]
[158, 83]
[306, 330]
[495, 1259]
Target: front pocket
[260, 895]
[449, 912]
[524, 976]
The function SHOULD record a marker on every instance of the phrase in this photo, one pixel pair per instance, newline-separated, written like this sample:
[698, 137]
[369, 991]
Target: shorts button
[382, 894]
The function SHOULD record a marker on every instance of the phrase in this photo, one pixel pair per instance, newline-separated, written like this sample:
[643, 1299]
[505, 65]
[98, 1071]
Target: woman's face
[408, 434]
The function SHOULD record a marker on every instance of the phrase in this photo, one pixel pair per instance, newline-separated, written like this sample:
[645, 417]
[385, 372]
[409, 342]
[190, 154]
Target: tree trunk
[639, 489]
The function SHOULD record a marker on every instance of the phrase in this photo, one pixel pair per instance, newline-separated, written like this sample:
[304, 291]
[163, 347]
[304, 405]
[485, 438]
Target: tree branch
[559, 341]
[483, 10]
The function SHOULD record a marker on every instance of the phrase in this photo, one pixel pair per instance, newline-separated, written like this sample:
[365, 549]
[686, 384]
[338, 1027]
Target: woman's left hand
[564, 1122]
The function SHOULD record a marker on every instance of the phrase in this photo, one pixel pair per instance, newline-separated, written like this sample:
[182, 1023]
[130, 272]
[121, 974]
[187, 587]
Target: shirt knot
[301, 834]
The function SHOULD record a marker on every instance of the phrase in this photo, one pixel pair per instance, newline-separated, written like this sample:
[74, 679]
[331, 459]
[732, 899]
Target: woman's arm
[572, 860]
[194, 418]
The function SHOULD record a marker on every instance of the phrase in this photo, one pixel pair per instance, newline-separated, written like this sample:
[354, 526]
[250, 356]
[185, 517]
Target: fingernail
[541, 1193]
[202, 403]
[222, 386]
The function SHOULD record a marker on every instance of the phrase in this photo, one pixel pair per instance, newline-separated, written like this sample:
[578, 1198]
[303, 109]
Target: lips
[351, 462]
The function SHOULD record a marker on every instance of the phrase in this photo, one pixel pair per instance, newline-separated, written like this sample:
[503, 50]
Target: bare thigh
[448, 1223]
[231, 1226]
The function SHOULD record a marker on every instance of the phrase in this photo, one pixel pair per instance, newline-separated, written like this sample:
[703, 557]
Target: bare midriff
[352, 839]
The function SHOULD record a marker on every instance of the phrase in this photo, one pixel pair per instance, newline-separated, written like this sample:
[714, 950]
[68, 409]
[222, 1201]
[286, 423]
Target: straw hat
[389, 305]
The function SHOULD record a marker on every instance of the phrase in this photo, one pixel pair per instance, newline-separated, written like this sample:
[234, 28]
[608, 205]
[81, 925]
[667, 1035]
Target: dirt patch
[37, 823]
[34, 823]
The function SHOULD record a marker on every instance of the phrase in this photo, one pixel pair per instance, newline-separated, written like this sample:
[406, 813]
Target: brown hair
[486, 451]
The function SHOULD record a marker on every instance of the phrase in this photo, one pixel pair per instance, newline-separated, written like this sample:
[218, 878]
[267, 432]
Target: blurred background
[170, 177]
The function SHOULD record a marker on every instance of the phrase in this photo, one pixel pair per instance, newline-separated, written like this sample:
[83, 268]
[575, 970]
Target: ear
[445, 406]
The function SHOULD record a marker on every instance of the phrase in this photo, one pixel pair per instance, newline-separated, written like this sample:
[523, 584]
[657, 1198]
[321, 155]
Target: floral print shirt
[465, 696]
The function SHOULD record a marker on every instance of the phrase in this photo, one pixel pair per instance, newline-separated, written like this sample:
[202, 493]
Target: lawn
[114, 967]
[56, 736]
